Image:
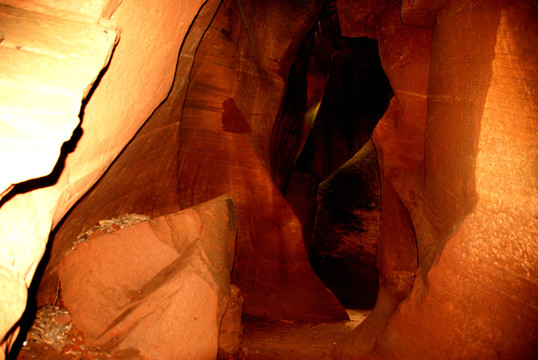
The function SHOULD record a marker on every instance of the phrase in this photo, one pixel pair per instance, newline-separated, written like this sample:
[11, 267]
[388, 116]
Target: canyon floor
[53, 337]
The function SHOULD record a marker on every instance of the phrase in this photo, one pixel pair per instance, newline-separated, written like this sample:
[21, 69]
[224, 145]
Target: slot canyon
[180, 176]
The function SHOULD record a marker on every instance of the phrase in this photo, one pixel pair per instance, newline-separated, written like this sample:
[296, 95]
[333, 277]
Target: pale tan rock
[14, 296]
[158, 288]
[49, 65]
[137, 80]
[87, 11]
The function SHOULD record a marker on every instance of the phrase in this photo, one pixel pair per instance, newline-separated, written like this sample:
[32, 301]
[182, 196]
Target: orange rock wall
[143, 179]
[457, 153]
[205, 140]
[471, 200]
[233, 99]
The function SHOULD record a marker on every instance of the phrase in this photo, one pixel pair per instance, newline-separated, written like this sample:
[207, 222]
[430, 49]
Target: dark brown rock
[231, 328]
[344, 242]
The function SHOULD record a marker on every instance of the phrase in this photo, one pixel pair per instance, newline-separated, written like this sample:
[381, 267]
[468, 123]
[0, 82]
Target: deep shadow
[29, 315]
[232, 119]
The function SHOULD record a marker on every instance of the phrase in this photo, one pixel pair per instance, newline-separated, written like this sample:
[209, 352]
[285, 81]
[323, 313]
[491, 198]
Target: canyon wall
[457, 154]
[211, 137]
[136, 81]
[236, 89]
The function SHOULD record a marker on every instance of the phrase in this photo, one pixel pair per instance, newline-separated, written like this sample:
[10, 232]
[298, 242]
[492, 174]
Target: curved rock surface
[232, 101]
[456, 149]
[137, 79]
[144, 178]
[461, 204]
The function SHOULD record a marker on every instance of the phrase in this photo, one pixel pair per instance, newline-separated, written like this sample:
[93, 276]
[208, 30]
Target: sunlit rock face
[466, 191]
[137, 79]
[143, 179]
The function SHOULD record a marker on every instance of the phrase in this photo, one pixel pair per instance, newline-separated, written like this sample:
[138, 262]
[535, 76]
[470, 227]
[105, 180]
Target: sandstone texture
[50, 64]
[136, 81]
[94, 85]
[144, 178]
[233, 98]
[158, 289]
[470, 296]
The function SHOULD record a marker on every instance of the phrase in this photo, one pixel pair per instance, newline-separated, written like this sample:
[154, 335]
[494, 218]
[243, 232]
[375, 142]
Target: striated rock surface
[233, 98]
[143, 179]
[158, 288]
[462, 204]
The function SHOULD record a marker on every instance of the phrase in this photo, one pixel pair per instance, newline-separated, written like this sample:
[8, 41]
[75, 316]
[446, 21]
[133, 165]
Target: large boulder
[158, 288]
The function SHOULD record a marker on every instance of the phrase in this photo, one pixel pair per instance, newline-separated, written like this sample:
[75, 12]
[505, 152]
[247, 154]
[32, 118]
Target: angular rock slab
[159, 288]
[231, 328]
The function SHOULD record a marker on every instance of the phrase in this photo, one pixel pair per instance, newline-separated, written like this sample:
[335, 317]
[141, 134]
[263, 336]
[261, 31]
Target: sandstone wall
[137, 79]
[236, 88]
[456, 147]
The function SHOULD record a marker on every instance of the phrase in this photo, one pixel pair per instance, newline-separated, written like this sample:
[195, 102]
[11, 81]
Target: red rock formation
[140, 181]
[234, 94]
[143, 179]
[462, 204]
[457, 155]
[158, 288]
